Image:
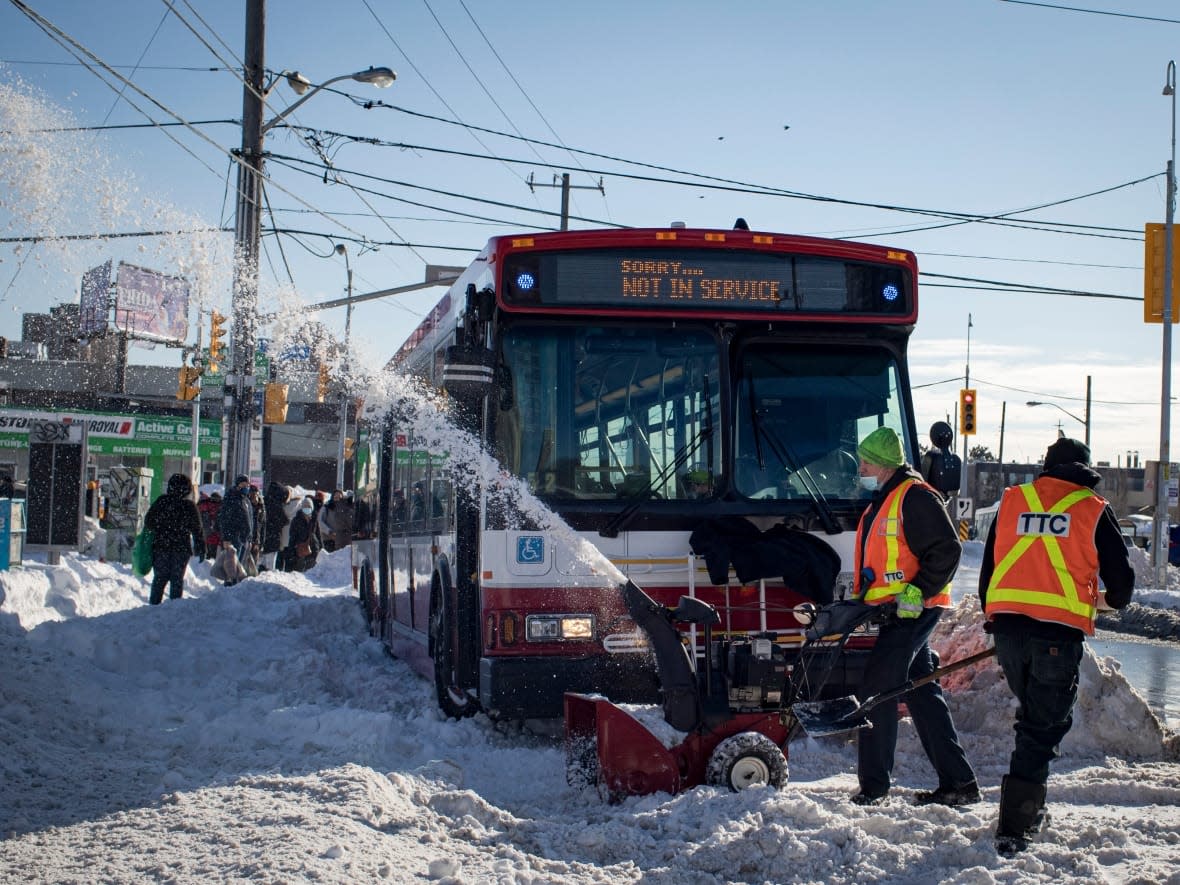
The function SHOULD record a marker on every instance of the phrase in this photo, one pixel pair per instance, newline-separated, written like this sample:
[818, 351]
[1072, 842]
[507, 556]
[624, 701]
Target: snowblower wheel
[748, 759]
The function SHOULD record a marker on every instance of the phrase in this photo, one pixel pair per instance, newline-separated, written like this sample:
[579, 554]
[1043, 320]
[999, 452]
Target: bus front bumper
[534, 687]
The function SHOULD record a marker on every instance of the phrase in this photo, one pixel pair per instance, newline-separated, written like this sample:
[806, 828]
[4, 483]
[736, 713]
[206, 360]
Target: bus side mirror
[941, 467]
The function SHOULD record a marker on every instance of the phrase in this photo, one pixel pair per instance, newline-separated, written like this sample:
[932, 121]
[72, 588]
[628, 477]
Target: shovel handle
[929, 677]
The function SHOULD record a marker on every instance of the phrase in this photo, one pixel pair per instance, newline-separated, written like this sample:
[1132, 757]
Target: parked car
[1174, 545]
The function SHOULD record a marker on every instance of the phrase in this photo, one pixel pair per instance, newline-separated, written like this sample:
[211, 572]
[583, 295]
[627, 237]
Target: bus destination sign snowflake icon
[530, 549]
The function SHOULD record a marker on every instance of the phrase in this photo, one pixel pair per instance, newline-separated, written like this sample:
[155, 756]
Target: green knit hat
[882, 447]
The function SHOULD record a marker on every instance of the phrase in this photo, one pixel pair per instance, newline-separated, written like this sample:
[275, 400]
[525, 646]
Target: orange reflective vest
[886, 552]
[1046, 559]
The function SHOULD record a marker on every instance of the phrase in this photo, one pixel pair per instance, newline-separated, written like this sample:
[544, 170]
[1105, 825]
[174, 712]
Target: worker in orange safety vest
[907, 552]
[1052, 539]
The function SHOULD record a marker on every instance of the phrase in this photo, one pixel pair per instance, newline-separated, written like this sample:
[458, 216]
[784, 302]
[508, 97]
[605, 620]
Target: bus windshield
[800, 411]
[637, 417]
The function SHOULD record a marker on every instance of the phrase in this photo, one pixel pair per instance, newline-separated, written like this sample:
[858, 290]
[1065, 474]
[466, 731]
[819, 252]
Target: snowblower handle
[929, 677]
[842, 715]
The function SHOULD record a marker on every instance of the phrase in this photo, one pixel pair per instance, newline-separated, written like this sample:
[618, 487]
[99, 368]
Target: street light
[1159, 546]
[300, 85]
[340, 453]
[247, 228]
[1085, 421]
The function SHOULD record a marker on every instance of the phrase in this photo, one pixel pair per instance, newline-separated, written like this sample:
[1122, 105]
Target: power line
[958, 379]
[732, 186]
[152, 125]
[78, 64]
[1147, 18]
[114, 235]
[1024, 287]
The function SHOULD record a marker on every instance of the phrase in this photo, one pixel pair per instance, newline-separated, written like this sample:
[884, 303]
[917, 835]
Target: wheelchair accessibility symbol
[530, 549]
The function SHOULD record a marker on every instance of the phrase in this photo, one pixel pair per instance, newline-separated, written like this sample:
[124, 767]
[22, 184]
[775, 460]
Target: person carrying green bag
[178, 533]
[141, 553]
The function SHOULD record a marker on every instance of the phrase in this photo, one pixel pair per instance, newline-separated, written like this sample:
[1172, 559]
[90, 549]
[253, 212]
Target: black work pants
[1043, 675]
[902, 653]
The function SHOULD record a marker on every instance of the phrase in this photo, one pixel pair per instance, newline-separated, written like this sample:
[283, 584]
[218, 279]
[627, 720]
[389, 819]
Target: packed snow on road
[257, 733]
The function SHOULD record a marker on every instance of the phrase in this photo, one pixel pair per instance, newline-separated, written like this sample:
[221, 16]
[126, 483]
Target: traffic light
[216, 340]
[321, 387]
[274, 403]
[349, 447]
[188, 383]
[967, 411]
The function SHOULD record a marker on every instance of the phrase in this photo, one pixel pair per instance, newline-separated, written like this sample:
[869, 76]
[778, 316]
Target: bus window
[801, 410]
[638, 415]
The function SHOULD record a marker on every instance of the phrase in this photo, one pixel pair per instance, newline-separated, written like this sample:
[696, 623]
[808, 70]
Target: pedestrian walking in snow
[178, 534]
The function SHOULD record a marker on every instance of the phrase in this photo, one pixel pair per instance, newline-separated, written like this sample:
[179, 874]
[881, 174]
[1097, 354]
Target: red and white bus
[682, 399]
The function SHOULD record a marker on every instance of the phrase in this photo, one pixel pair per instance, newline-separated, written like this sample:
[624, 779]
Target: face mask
[306, 510]
[868, 483]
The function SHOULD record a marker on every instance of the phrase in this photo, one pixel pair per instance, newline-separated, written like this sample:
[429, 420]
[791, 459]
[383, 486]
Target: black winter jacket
[1114, 565]
[177, 524]
[235, 520]
[276, 516]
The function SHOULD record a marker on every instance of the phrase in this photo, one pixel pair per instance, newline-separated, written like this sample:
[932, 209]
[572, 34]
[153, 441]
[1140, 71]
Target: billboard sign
[151, 303]
[95, 304]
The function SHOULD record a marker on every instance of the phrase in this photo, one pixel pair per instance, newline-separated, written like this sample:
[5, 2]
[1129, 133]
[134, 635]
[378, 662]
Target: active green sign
[115, 434]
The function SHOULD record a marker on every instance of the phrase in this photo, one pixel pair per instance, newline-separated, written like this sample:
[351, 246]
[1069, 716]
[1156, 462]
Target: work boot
[863, 798]
[1022, 812]
[967, 794]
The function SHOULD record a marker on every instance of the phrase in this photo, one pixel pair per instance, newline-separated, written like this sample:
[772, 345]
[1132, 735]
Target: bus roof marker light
[890, 292]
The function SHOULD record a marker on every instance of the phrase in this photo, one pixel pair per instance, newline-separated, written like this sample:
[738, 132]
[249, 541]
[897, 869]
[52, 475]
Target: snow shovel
[824, 718]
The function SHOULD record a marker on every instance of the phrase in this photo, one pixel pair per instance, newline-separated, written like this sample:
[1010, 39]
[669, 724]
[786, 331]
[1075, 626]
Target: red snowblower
[725, 720]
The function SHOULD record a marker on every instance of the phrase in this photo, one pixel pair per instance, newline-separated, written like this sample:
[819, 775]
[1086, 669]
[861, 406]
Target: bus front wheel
[453, 701]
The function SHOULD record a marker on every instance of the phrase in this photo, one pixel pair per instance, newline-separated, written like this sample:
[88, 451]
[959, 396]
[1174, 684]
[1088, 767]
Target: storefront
[163, 443]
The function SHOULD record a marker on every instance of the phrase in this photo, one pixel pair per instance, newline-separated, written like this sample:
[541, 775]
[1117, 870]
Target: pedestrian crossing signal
[188, 385]
[967, 411]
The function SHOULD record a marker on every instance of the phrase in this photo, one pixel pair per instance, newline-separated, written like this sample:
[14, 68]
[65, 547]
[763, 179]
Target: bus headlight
[558, 628]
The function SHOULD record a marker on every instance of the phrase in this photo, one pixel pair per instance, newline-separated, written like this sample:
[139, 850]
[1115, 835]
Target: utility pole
[247, 237]
[345, 374]
[966, 385]
[1000, 456]
[565, 193]
[1159, 542]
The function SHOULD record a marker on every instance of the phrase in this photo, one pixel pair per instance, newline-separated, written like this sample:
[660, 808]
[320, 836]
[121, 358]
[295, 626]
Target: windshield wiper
[787, 458]
[686, 451]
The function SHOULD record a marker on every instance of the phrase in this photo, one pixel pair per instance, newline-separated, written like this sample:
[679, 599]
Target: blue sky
[980, 107]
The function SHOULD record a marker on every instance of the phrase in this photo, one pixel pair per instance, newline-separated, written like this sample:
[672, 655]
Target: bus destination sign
[707, 280]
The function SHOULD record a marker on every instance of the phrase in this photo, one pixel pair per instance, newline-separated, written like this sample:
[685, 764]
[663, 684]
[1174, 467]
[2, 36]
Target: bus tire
[454, 703]
[748, 759]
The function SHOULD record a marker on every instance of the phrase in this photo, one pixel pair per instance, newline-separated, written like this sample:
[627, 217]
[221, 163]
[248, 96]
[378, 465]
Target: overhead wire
[360, 238]
[518, 85]
[1149, 18]
[729, 186]
[426, 82]
[296, 162]
[474, 75]
[73, 47]
[135, 69]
